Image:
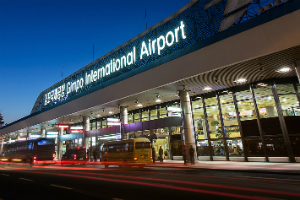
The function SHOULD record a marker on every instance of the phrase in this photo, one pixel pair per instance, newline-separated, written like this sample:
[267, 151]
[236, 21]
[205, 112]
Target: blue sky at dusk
[40, 39]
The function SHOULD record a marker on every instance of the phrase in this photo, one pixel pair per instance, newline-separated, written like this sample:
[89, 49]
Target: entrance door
[164, 143]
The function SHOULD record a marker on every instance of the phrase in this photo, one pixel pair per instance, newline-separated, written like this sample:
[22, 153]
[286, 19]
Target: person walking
[161, 152]
[192, 153]
[153, 155]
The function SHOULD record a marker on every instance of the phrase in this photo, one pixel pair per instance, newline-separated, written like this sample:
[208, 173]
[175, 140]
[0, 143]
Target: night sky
[44, 41]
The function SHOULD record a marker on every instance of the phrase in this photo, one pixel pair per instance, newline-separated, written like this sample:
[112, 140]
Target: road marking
[60, 186]
[4, 174]
[257, 177]
[25, 179]
[268, 197]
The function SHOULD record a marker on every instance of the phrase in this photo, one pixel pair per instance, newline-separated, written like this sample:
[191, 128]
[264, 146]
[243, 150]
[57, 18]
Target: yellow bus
[135, 151]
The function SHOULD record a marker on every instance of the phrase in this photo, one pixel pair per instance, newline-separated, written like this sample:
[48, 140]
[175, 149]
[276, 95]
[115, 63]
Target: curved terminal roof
[194, 53]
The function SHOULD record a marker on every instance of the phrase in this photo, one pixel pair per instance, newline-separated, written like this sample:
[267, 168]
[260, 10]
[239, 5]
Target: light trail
[195, 183]
[160, 186]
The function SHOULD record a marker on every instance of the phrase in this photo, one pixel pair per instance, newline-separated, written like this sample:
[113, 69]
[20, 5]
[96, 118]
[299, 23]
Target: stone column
[18, 136]
[124, 120]
[86, 127]
[59, 144]
[43, 132]
[28, 135]
[297, 69]
[2, 141]
[188, 127]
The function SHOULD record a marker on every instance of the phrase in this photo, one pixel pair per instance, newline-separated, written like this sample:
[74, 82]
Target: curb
[233, 170]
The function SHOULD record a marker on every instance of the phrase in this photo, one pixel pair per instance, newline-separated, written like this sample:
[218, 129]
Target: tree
[1, 120]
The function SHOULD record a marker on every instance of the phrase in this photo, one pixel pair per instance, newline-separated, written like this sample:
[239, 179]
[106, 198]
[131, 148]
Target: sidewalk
[266, 167]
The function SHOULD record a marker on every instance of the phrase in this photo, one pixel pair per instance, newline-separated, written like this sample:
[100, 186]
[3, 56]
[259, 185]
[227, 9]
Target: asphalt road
[96, 182]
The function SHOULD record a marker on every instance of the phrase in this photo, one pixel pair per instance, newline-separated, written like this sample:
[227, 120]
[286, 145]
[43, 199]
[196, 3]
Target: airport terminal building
[221, 76]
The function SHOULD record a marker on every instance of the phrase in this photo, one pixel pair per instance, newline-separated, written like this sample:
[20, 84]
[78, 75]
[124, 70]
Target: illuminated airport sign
[176, 36]
[147, 48]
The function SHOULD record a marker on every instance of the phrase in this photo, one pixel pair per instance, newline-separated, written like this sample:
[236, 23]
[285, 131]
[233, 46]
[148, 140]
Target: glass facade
[234, 128]
[244, 121]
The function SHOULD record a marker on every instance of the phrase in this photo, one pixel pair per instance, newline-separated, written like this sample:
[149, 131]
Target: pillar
[188, 127]
[297, 69]
[283, 124]
[2, 142]
[124, 120]
[86, 128]
[59, 144]
[43, 133]
[18, 136]
[28, 135]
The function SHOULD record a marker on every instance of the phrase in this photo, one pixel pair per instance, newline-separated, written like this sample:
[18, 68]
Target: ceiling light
[241, 80]
[110, 112]
[139, 105]
[157, 100]
[207, 88]
[284, 70]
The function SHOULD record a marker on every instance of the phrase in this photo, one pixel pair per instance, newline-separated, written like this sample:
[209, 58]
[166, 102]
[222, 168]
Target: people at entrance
[192, 153]
[153, 155]
[161, 152]
[95, 155]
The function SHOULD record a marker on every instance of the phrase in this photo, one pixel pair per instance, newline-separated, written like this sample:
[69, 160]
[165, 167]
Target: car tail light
[34, 158]
[53, 155]
[135, 159]
[151, 157]
[86, 156]
[74, 156]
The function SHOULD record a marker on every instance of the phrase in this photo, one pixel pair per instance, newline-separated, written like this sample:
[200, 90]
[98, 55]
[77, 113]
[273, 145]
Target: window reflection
[163, 112]
[213, 118]
[265, 101]
[229, 116]
[93, 125]
[235, 147]
[137, 117]
[254, 147]
[175, 130]
[130, 118]
[98, 124]
[247, 113]
[203, 148]
[288, 100]
[267, 109]
[153, 114]
[145, 115]
[218, 147]
[199, 122]
[104, 123]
